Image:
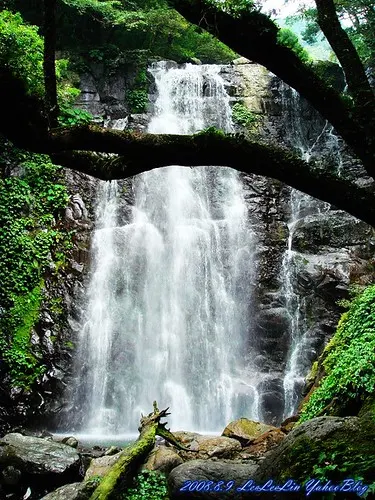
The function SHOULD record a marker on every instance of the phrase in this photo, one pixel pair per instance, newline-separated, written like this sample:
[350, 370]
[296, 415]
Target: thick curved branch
[254, 36]
[358, 84]
[143, 152]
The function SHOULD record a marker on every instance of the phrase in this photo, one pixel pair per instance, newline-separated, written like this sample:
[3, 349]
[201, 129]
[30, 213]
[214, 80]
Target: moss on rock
[325, 448]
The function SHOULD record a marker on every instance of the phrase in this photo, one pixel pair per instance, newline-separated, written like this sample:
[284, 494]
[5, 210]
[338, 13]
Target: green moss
[24, 368]
[345, 452]
[289, 39]
[132, 456]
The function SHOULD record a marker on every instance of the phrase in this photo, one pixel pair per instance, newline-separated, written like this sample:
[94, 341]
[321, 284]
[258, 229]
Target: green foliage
[30, 204]
[137, 100]
[211, 131]
[289, 39]
[236, 8]
[336, 462]
[148, 484]
[94, 481]
[331, 73]
[24, 367]
[102, 31]
[349, 359]
[21, 49]
[109, 12]
[243, 116]
[361, 26]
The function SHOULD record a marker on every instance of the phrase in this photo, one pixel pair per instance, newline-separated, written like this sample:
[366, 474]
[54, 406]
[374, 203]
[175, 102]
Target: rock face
[100, 466]
[163, 459]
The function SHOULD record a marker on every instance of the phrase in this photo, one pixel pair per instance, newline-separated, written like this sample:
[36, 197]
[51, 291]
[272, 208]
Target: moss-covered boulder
[245, 430]
[324, 447]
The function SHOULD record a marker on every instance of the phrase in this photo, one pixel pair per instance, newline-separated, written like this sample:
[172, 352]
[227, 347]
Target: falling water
[301, 205]
[169, 309]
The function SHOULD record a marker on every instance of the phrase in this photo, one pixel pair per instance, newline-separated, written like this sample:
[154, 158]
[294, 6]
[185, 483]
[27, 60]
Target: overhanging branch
[140, 153]
[254, 36]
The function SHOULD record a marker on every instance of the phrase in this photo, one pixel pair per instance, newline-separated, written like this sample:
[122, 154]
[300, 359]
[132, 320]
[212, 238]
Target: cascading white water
[169, 313]
[301, 206]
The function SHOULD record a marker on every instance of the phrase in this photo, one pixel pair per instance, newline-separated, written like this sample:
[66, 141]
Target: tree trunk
[51, 107]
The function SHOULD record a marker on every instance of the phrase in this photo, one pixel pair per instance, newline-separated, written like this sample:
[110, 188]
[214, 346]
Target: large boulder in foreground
[68, 491]
[218, 473]
[342, 447]
[40, 456]
[39, 465]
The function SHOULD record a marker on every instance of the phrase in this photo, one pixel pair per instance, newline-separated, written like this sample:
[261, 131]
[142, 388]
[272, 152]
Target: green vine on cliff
[32, 197]
[349, 360]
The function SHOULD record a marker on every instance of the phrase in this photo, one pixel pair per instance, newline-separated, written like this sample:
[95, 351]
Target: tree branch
[254, 36]
[358, 84]
[143, 152]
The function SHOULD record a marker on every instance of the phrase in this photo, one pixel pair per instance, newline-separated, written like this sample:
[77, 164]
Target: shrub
[243, 116]
[148, 484]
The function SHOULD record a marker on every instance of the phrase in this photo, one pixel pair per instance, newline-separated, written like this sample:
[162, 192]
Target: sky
[286, 8]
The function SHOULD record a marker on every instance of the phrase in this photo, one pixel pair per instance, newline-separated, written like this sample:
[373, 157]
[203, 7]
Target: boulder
[207, 446]
[34, 455]
[221, 447]
[70, 441]
[265, 442]
[100, 466]
[346, 443]
[207, 470]
[245, 430]
[240, 60]
[68, 491]
[163, 459]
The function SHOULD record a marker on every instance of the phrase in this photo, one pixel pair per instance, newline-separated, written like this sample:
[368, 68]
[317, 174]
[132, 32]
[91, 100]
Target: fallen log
[134, 455]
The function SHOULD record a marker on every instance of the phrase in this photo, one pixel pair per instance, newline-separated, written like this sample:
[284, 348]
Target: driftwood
[134, 455]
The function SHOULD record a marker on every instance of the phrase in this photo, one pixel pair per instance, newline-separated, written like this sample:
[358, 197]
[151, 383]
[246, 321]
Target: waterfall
[301, 353]
[169, 299]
